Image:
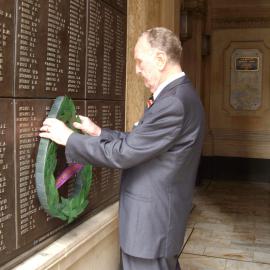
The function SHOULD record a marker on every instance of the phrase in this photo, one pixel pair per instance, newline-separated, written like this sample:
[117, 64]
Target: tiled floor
[229, 227]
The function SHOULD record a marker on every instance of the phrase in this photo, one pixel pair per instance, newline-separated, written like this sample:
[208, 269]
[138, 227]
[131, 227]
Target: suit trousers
[134, 263]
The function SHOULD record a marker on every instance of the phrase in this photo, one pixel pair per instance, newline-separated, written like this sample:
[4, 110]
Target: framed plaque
[247, 63]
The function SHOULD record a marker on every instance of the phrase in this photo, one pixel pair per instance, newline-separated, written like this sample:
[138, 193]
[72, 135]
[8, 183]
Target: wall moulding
[245, 22]
[240, 143]
[244, 149]
[197, 7]
[241, 135]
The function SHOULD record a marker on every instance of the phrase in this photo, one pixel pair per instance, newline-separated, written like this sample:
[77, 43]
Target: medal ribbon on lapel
[150, 101]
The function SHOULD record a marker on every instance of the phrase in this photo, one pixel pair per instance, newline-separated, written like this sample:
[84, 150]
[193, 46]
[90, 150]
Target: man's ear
[161, 60]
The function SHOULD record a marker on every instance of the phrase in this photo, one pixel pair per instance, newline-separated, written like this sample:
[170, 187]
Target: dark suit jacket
[159, 158]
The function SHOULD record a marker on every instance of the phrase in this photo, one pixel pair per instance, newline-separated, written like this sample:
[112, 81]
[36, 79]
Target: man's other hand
[87, 126]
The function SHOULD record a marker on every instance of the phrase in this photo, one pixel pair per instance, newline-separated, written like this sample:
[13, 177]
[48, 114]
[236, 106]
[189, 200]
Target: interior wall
[239, 104]
[236, 101]
[191, 37]
[143, 15]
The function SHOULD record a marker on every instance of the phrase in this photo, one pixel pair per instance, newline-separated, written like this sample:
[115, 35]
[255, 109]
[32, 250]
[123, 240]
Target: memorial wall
[48, 49]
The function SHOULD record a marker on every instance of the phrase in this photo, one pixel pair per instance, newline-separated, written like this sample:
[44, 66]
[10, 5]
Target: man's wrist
[67, 137]
[98, 131]
[95, 132]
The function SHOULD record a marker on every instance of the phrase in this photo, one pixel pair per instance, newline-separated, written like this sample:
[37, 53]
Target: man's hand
[55, 130]
[87, 126]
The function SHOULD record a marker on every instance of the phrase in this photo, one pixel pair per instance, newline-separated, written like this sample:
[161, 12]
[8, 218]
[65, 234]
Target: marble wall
[239, 97]
[141, 16]
[236, 101]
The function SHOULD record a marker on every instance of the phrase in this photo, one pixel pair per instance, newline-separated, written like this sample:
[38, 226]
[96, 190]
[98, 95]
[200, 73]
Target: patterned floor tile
[229, 227]
[237, 265]
[194, 262]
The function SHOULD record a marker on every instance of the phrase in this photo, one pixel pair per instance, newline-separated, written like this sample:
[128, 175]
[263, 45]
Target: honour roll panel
[105, 185]
[33, 222]
[106, 52]
[6, 46]
[7, 183]
[118, 4]
[52, 48]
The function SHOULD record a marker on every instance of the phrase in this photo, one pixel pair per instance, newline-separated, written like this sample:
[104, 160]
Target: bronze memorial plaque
[49, 49]
[106, 52]
[107, 114]
[118, 4]
[6, 47]
[7, 181]
[33, 222]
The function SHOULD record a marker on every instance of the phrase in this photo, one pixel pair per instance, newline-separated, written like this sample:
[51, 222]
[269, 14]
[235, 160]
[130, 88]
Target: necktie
[150, 101]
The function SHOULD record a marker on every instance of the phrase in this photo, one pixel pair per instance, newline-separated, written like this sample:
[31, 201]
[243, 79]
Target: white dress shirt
[165, 83]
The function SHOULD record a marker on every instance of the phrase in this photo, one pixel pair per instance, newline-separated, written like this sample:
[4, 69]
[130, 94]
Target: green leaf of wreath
[54, 204]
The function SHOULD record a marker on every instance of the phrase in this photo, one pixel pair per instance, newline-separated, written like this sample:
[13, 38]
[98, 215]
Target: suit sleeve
[113, 134]
[153, 136]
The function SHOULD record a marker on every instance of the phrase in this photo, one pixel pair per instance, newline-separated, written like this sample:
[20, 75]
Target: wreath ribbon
[47, 187]
[68, 172]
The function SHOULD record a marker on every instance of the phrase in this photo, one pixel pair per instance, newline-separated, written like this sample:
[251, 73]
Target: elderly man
[159, 157]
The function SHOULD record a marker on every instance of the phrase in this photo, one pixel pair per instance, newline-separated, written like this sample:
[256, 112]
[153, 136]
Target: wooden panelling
[240, 131]
[240, 14]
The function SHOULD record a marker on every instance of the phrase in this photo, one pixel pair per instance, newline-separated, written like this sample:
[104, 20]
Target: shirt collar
[165, 83]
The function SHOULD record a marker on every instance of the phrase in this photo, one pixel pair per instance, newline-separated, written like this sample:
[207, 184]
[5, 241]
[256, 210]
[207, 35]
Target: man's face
[146, 66]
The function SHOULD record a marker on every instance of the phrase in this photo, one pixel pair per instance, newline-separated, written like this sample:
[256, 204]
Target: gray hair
[165, 40]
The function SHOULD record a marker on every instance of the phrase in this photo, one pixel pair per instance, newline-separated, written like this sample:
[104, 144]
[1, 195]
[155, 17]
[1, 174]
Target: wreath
[47, 186]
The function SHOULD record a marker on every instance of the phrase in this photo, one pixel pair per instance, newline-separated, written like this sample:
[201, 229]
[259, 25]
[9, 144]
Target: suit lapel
[166, 91]
[172, 85]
